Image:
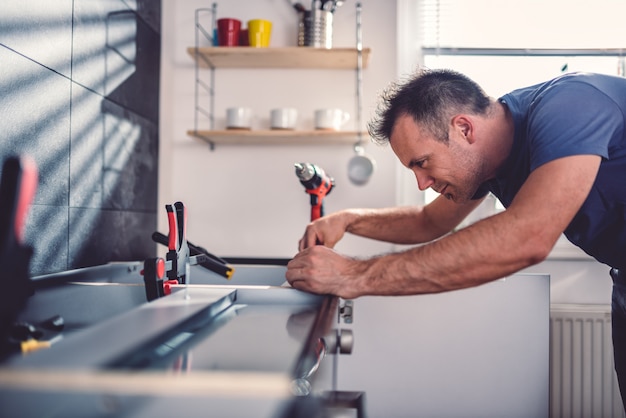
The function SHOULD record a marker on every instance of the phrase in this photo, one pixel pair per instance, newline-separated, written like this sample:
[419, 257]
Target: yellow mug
[259, 32]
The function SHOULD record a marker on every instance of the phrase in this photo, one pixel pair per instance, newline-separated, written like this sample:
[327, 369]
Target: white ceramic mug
[283, 118]
[238, 118]
[331, 119]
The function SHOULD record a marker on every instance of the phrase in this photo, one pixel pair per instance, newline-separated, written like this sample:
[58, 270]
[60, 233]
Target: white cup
[283, 118]
[330, 119]
[238, 118]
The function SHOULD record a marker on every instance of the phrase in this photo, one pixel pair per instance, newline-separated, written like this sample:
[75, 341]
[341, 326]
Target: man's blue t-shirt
[574, 114]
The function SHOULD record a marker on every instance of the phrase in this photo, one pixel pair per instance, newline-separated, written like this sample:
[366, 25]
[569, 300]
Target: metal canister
[315, 28]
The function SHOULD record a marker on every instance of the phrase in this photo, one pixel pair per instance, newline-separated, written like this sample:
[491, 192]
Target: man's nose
[424, 181]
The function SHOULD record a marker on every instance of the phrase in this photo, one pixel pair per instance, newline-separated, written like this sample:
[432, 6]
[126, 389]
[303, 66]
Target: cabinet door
[476, 352]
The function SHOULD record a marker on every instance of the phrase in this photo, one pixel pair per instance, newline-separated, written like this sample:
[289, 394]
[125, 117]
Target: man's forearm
[475, 255]
[399, 225]
[408, 224]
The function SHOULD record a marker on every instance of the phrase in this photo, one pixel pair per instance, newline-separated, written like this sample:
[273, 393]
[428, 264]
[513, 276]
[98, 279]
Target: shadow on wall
[80, 83]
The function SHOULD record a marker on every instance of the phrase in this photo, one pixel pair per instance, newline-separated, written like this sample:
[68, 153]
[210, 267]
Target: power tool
[316, 183]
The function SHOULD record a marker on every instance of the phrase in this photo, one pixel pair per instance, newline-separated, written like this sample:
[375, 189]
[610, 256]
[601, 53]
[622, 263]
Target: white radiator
[582, 378]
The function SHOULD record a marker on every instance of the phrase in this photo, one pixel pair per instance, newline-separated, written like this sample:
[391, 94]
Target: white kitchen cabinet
[478, 352]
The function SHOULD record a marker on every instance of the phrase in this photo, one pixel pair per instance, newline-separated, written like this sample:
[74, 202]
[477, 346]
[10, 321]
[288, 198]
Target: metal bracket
[346, 311]
[339, 341]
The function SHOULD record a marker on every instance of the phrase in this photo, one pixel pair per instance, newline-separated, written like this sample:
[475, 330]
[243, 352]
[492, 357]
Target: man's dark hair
[431, 98]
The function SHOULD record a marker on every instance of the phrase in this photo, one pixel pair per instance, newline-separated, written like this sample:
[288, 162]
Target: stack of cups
[230, 33]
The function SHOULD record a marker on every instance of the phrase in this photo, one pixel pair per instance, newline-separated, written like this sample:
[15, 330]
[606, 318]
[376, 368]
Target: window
[507, 44]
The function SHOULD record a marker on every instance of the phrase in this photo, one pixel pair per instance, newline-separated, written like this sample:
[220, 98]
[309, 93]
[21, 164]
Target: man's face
[454, 170]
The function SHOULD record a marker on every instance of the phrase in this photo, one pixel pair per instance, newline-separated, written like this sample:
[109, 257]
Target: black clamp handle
[205, 259]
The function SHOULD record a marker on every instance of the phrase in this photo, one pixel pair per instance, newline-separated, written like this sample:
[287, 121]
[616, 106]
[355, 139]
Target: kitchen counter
[240, 348]
[233, 350]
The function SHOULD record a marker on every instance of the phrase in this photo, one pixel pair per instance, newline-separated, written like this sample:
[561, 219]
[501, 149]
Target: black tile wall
[80, 93]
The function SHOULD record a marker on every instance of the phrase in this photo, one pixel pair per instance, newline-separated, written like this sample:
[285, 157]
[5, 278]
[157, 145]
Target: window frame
[411, 55]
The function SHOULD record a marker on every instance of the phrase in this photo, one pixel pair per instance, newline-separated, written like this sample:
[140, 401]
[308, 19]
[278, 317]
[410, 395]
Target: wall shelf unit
[212, 58]
[287, 57]
[276, 137]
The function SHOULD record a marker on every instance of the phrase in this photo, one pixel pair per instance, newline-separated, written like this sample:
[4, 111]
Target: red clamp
[153, 272]
[178, 253]
[18, 184]
[167, 286]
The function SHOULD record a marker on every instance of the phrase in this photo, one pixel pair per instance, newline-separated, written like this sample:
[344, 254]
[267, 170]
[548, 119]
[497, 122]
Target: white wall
[246, 200]
[583, 281]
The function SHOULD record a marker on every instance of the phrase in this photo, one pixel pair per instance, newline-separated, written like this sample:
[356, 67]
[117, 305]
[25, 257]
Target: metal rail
[210, 88]
[537, 52]
[358, 147]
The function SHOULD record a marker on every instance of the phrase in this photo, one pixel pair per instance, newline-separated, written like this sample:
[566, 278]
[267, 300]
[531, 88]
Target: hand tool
[180, 256]
[17, 190]
[178, 253]
[175, 268]
[153, 272]
[209, 261]
[316, 183]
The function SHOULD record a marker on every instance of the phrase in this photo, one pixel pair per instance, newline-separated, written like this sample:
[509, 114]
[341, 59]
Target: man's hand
[321, 270]
[326, 231]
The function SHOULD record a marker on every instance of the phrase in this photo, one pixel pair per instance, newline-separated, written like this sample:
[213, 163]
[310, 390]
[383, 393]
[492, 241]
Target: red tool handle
[27, 189]
[317, 211]
[171, 221]
[178, 252]
[317, 199]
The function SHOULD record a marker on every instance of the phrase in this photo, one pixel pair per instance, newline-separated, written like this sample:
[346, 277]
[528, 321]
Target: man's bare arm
[398, 225]
[490, 249]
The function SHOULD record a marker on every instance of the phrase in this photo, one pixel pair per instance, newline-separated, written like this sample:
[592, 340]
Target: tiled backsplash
[80, 94]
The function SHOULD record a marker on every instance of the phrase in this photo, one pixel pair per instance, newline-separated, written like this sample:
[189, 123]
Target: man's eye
[417, 163]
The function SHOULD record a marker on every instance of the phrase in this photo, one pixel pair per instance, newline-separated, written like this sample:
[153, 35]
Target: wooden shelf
[287, 57]
[277, 137]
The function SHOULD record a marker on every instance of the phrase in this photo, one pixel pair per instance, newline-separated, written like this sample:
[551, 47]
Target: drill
[316, 183]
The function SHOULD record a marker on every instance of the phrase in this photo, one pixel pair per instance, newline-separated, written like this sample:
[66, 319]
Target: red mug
[228, 31]
[243, 38]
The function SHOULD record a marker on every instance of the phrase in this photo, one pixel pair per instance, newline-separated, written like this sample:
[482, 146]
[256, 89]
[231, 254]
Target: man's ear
[465, 126]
